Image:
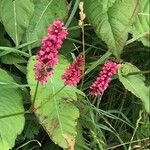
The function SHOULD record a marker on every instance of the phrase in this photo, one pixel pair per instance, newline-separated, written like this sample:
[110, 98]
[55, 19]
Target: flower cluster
[102, 82]
[47, 57]
[73, 73]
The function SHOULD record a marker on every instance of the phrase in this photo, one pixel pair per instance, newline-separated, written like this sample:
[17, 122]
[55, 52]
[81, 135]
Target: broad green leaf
[135, 83]
[12, 50]
[10, 103]
[142, 24]
[12, 59]
[58, 116]
[46, 11]
[112, 21]
[15, 16]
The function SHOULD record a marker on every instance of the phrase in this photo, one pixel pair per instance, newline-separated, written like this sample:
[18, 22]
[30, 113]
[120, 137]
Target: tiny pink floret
[102, 82]
[47, 57]
[73, 73]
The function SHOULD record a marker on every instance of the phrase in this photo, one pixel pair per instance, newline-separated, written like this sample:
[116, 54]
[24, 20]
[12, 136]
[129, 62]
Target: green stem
[34, 98]
[28, 143]
[26, 44]
[98, 103]
[137, 125]
[77, 27]
[49, 99]
[83, 51]
[75, 7]
[37, 85]
[137, 141]
[59, 90]
[15, 114]
[79, 42]
[98, 62]
[136, 38]
[94, 100]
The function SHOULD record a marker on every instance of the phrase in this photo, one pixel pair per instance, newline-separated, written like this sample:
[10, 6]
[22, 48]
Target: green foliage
[112, 23]
[3, 40]
[80, 142]
[10, 103]
[6, 50]
[107, 3]
[63, 117]
[141, 27]
[57, 113]
[15, 17]
[45, 12]
[13, 59]
[31, 128]
[133, 80]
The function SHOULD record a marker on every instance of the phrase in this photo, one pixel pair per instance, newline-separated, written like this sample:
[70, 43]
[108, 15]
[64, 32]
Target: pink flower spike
[47, 57]
[102, 82]
[73, 72]
[42, 73]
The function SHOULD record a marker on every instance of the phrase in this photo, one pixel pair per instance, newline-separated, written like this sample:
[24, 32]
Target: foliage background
[112, 28]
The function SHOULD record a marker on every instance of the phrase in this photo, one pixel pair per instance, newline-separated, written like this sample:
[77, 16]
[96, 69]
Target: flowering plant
[74, 75]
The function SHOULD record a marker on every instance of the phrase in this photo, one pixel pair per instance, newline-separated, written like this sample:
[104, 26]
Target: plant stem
[127, 143]
[49, 99]
[28, 143]
[72, 13]
[26, 44]
[77, 27]
[15, 114]
[59, 90]
[137, 125]
[81, 23]
[79, 42]
[136, 38]
[31, 109]
[83, 51]
[98, 103]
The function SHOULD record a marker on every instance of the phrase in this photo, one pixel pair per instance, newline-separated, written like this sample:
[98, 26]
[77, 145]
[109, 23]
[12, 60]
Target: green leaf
[12, 59]
[142, 24]
[58, 116]
[22, 68]
[3, 40]
[15, 16]
[133, 81]
[112, 21]
[45, 12]
[10, 103]
[12, 50]
[107, 3]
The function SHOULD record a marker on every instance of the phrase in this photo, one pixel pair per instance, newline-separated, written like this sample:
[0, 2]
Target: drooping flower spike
[102, 82]
[73, 73]
[47, 57]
